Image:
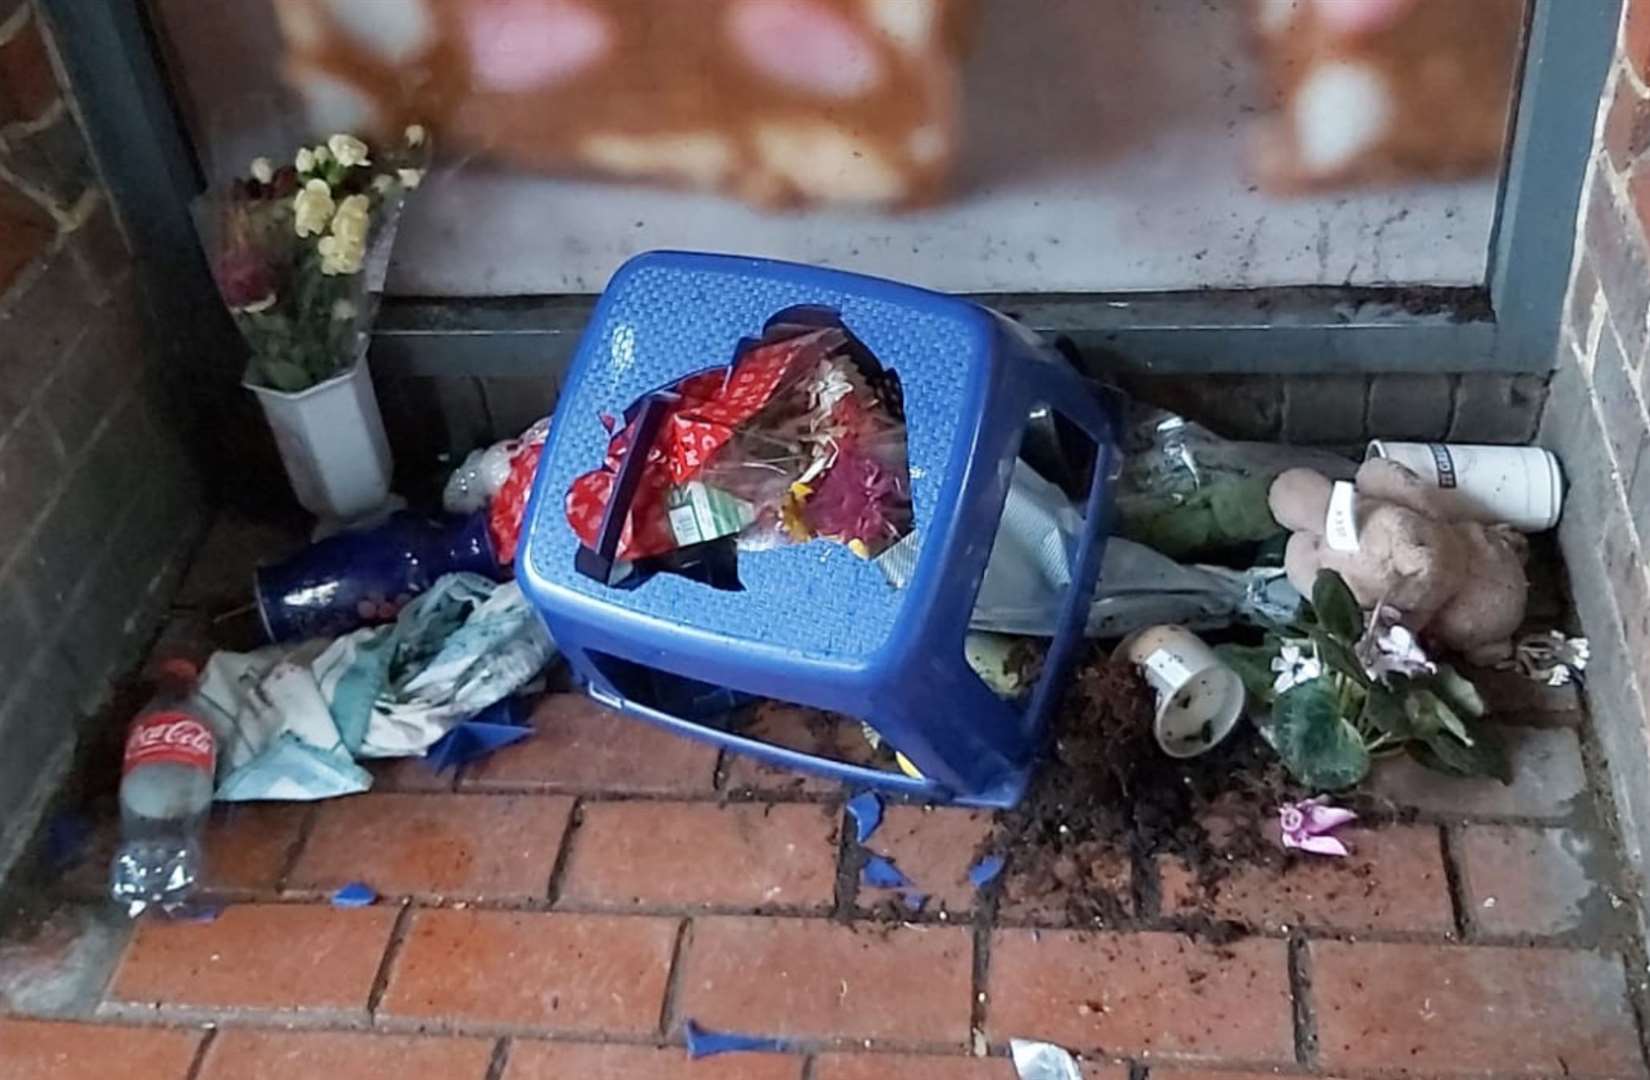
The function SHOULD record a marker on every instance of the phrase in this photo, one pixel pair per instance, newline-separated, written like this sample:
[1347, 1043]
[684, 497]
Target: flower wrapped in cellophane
[299, 252]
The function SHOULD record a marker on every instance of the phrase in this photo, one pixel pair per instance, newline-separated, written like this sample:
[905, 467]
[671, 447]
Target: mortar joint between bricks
[1300, 993]
[197, 1064]
[498, 1060]
[1455, 883]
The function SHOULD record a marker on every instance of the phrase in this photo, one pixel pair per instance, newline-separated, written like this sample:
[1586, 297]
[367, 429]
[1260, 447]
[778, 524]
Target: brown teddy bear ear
[1299, 500]
[1388, 481]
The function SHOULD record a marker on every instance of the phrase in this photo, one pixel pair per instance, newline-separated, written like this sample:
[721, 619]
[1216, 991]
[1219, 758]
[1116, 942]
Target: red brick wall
[1596, 420]
[97, 501]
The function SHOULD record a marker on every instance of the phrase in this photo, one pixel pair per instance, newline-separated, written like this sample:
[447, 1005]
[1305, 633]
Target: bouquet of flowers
[1342, 690]
[299, 251]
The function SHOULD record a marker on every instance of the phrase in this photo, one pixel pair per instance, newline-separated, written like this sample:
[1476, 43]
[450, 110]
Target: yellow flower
[411, 178]
[353, 219]
[262, 171]
[415, 135]
[348, 150]
[312, 208]
[305, 161]
[341, 255]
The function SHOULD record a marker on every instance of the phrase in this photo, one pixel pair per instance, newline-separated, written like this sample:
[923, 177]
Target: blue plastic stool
[815, 624]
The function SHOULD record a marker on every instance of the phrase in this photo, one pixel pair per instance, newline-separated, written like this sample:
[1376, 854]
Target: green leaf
[1486, 756]
[1431, 715]
[1337, 609]
[1384, 711]
[1340, 657]
[286, 376]
[1241, 513]
[1318, 746]
[1253, 664]
[1459, 691]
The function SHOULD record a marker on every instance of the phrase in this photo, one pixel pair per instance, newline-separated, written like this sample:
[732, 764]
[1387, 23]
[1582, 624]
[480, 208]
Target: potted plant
[299, 253]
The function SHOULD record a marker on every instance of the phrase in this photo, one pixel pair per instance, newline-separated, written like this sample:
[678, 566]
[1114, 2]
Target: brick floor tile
[477, 846]
[596, 974]
[808, 730]
[668, 854]
[579, 746]
[282, 1055]
[1039, 901]
[408, 774]
[248, 844]
[572, 1061]
[1142, 995]
[1472, 1009]
[1216, 1074]
[1394, 881]
[809, 978]
[915, 1067]
[42, 1050]
[1549, 781]
[1532, 881]
[284, 957]
[933, 847]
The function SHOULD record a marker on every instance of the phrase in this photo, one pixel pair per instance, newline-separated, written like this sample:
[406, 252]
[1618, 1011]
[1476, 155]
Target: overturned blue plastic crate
[815, 624]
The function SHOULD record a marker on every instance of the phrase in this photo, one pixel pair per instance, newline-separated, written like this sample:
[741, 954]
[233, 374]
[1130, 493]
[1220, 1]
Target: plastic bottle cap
[179, 668]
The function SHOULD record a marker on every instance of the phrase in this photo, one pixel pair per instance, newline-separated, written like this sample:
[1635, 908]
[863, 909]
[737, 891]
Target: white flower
[382, 183]
[410, 178]
[312, 208]
[343, 310]
[259, 305]
[322, 155]
[1389, 648]
[415, 135]
[341, 255]
[262, 171]
[1294, 667]
[353, 219]
[305, 161]
[348, 150]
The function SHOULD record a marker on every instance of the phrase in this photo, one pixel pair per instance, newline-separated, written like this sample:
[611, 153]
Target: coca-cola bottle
[166, 781]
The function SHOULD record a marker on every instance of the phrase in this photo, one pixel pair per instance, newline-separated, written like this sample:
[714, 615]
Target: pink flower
[1307, 824]
[247, 280]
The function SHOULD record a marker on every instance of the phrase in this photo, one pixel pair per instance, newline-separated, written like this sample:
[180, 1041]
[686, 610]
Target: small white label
[1340, 527]
[1168, 670]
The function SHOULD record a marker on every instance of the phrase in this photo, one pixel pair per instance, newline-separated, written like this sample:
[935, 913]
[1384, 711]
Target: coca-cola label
[173, 737]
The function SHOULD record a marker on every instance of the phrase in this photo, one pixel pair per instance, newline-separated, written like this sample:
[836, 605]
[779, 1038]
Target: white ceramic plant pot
[332, 441]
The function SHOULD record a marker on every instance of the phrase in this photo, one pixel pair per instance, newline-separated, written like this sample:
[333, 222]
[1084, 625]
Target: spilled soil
[1109, 800]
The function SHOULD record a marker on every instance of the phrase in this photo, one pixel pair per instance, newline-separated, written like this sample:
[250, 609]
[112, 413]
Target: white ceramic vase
[332, 441]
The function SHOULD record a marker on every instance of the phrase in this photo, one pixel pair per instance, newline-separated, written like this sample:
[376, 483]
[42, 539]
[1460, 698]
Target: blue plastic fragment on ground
[494, 728]
[194, 911]
[985, 871]
[703, 1044]
[866, 810]
[881, 873]
[355, 894]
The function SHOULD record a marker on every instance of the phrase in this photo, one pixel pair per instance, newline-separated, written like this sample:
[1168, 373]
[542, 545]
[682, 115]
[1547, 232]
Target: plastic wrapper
[801, 437]
[1190, 494]
[1029, 572]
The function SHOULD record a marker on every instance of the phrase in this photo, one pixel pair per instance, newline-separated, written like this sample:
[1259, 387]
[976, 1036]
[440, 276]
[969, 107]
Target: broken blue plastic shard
[703, 1044]
[494, 728]
[866, 810]
[985, 871]
[880, 872]
[355, 894]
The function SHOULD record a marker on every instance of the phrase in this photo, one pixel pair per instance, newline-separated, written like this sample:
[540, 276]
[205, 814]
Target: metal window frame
[1510, 325]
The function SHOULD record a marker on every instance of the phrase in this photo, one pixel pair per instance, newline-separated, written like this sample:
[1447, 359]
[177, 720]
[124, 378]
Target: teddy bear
[1459, 583]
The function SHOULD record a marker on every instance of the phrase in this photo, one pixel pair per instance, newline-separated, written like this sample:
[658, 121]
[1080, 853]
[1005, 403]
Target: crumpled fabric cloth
[293, 721]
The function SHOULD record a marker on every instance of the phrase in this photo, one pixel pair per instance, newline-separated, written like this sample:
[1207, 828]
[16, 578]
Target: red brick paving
[248, 844]
[599, 974]
[1394, 881]
[1437, 1008]
[469, 846]
[564, 1061]
[934, 849]
[1530, 881]
[1145, 994]
[281, 1055]
[39, 1050]
[278, 957]
[670, 854]
[579, 746]
[914, 1067]
[809, 978]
